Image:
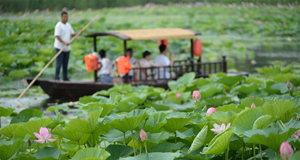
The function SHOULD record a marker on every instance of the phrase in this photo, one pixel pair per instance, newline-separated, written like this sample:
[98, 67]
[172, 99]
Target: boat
[75, 89]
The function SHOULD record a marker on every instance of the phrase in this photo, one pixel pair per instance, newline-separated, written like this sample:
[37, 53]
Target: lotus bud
[297, 134]
[210, 111]
[288, 84]
[178, 95]
[196, 95]
[38, 44]
[23, 81]
[143, 136]
[253, 105]
[286, 150]
[12, 33]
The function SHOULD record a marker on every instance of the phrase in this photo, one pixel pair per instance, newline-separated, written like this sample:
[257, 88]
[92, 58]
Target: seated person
[106, 68]
[132, 60]
[145, 63]
[162, 59]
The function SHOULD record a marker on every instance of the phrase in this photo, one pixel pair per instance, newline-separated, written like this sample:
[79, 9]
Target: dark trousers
[62, 60]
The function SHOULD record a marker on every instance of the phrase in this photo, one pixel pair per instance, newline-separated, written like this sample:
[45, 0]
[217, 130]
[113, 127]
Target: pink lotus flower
[286, 150]
[297, 134]
[210, 111]
[253, 105]
[38, 44]
[220, 128]
[143, 136]
[43, 136]
[196, 95]
[288, 84]
[12, 33]
[178, 95]
[23, 81]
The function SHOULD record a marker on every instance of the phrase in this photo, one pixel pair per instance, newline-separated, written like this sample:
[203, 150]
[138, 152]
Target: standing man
[63, 31]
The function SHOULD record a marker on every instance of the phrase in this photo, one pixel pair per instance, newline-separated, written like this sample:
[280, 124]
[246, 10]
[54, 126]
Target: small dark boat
[73, 89]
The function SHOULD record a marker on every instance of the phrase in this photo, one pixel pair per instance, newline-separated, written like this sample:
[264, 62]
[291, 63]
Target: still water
[267, 53]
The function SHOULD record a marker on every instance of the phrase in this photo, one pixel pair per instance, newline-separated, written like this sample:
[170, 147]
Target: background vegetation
[30, 5]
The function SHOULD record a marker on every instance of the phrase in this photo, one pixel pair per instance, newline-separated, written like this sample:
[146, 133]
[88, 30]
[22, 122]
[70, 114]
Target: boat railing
[166, 73]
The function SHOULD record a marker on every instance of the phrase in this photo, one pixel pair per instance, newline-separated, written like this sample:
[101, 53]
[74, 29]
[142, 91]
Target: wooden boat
[73, 89]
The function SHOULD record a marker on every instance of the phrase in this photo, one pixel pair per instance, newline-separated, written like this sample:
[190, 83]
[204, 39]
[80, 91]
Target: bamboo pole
[36, 77]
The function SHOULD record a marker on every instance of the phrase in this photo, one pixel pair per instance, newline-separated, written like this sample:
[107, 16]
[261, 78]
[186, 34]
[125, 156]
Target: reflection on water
[267, 53]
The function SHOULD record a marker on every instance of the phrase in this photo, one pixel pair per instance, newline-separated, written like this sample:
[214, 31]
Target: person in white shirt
[162, 59]
[144, 74]
[63, 32]
[106, 68]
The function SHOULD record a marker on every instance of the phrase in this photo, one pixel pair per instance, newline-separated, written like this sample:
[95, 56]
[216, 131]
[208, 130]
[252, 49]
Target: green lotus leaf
[199, 141]
[155, 122]
[30, 127]
[219, 144]
[118, 151]
[18, 74]
[201, 82]
[9, 129]
[46, 152]
[63, 107]
[167, 147]
[222, 117]
[177, 120]
[185, 79]
[246, 89]
[9, 148]
[230, 80]
[245, 120]
[229, 107]
[126, 122]
[97, 153]
[26, 114]
[157, 155]
[157, 105]
[210, 90]
[283, 77]
[263, 122]
[75, 137]
[247, 102]
[87, 126]
[278, 108]
[280, 86]
[4, 112]
[218, 100]
[271, 137]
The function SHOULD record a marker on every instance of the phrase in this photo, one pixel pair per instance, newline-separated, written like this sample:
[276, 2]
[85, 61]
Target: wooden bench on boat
[72, 89]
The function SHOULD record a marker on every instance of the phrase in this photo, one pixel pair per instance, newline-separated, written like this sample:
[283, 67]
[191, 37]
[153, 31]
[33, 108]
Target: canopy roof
[149, 34]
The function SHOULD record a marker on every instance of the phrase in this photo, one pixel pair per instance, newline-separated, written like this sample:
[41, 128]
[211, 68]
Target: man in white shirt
[63, 32]
[162, 59]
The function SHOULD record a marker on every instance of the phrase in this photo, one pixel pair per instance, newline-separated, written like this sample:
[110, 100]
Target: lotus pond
[227, 29]
[219, 117]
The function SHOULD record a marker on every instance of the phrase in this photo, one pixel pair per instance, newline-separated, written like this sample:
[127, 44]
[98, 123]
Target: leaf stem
[124, 139]
[253, 148]
[226, 153]
[145, 146]
[133, 143]
[175, 137]
[260, 152]
[104, 143]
